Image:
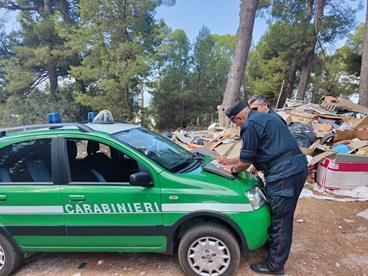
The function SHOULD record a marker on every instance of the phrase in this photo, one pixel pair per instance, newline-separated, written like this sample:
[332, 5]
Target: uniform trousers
[283, 197]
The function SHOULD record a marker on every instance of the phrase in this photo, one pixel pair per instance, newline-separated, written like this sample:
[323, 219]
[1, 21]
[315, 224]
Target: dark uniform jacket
[273, 113]
[266, 138]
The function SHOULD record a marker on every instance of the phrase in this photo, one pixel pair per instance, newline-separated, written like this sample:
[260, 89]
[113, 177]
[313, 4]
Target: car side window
[91, 162]
[28, 162]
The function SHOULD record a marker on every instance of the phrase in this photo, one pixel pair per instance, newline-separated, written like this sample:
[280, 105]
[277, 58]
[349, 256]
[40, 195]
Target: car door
[103, 211]
[30, 202]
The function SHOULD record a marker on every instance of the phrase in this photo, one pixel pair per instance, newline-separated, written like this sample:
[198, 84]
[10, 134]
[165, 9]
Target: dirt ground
[329, 239]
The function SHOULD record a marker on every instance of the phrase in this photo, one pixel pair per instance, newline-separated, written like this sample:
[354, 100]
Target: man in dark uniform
[260, 104]
[269, 146]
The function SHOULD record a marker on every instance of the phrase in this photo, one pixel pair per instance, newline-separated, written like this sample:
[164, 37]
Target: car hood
[199, 179]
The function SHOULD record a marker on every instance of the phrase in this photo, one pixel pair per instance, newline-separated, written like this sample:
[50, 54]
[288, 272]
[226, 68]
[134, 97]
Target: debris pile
[215, 141]
[333, 135]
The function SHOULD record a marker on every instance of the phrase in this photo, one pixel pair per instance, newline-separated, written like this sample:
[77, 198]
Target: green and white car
[122, 188]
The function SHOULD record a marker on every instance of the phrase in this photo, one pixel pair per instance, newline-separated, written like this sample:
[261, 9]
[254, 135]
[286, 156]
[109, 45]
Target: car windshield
[158, 148]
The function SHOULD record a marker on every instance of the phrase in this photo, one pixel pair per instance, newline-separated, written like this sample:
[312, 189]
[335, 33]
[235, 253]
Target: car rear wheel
[10, 258]
[209, 250]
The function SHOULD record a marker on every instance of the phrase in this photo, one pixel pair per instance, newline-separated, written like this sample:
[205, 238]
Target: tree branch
[310, 4]
[40, 78]
[13, 5]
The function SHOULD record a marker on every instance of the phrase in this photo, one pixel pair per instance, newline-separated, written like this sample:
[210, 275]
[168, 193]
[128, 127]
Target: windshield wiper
[178, 165]
[181, 166]
[198, 156]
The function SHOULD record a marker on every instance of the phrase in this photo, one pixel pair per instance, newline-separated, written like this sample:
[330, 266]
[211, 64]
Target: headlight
[256, 197]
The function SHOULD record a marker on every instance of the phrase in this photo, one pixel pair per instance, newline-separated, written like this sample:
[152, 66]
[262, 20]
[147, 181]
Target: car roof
[46, 128]
[112, 128]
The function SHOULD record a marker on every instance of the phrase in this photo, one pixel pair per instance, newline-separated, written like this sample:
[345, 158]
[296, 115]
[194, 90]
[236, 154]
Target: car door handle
[2, 197]
[77, 198]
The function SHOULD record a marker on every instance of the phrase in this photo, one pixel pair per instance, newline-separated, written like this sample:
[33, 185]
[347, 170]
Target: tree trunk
[309, 57]
[76, 60]
[304, 76]
[363, 84]
[290, 81]
[53, 80]
[247, 16]
[64, 9]
[50, 67]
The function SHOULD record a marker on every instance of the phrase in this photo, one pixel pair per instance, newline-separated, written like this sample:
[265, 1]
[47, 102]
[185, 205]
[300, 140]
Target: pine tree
[40, 54]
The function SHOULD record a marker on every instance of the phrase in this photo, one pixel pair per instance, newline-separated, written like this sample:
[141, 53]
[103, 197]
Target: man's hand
[227, 161]
[227, 168]
[223, 160]
[252, 169]
[233, 169]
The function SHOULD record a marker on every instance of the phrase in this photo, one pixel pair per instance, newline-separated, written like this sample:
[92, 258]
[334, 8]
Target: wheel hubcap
[209, 256]
[2, 258]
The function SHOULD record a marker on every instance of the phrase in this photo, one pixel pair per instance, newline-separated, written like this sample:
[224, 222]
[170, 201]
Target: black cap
[235, 109]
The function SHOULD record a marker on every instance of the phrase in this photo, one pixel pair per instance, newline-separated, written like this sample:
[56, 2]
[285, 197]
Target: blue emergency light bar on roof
[54, 118]
[91, 116]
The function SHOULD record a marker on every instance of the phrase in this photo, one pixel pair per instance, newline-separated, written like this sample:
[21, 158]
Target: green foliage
[292, 34]
[338, 74]
[337, 21]
[192, 79]
[4, 53]
[168, 103]
[96, 54]
[35, 107]
[277, 51]
[116, 40]
[351, 53]
[274, 71]
[39, 51]
[333, 79]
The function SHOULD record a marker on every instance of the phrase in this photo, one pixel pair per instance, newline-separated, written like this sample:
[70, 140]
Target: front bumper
[255, 225]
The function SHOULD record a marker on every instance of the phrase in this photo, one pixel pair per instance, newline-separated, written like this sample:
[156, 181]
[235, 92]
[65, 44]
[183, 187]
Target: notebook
[215, 167]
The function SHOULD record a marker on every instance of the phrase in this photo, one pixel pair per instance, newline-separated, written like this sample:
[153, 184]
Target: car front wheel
[209, 249]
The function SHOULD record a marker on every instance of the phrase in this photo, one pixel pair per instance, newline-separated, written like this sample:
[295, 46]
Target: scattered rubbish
[82, 265]
[167, 134]
[77, 274]
[342, 104]
[306, 193]
[348, 220]
[333, 135]
[100, 262]
[142, 273]
[358, 192]
[303, 134]
[198, 140]
[363, 214]
[339, 226]
[300, 220]
[212, 126]
[337, 265]
[342, 173]
[341, 149]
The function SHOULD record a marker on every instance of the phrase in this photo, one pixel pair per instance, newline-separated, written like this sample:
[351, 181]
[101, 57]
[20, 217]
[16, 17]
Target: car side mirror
[141, 179]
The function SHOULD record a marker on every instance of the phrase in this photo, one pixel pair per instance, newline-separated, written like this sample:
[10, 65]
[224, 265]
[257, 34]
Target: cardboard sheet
[215, 167]
[316, 159]
[350, 135]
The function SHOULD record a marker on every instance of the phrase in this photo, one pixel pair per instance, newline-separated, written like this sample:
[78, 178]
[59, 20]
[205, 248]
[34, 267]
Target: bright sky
[220, 16]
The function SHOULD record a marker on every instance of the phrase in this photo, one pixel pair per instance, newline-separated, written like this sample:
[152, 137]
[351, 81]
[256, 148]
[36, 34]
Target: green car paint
[69, 216]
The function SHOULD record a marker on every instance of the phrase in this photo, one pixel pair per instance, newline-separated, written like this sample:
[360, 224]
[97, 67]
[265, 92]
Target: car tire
[206, 247]
[10, 258]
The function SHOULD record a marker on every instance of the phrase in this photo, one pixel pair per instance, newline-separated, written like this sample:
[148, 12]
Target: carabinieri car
[105, 186]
